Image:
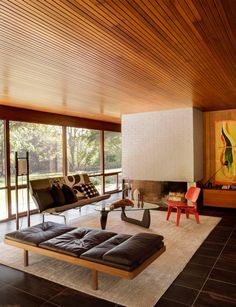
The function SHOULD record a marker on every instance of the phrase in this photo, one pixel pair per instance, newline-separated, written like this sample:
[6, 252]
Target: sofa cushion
[36, 234]
[96, 253]
[77, 241]
[73, 181]
[69, 194]
[44, 199]
[89, 190]
[135, 250]
[58, 195]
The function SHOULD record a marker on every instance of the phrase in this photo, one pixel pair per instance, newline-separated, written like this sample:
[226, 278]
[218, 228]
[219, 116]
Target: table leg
[103, 219]
[145, 222]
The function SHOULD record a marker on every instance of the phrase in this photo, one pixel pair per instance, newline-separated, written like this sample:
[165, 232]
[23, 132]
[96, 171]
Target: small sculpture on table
[121, 203]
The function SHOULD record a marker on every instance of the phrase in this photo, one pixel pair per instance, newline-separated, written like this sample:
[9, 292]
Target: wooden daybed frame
[94, 266]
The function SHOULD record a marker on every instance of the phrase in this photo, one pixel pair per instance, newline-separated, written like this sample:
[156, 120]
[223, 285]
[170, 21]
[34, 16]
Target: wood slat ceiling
[101, 59]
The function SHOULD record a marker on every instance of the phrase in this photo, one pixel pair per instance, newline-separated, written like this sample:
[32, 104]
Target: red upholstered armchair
[192, 196]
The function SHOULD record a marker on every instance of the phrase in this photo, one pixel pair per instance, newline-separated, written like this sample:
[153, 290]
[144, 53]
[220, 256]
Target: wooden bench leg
[26, 258]
[95, 280]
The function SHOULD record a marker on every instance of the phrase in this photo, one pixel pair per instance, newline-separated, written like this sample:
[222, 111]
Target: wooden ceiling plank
[210, 66]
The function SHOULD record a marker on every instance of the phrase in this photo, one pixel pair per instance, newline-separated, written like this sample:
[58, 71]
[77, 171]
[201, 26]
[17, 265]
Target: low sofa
[41, 192]
[121, 255]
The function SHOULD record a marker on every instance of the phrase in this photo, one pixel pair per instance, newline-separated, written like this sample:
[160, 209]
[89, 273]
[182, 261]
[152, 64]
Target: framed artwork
[225, 152]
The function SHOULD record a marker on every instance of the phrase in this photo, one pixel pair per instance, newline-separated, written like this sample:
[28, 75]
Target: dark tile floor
[22, 289]
[209, 279]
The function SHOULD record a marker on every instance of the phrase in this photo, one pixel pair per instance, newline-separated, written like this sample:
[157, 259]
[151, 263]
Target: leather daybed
[99, 250]
[56, 203]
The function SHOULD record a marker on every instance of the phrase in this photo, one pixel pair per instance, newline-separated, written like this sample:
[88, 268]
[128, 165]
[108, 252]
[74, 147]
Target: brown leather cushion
[135, 250]
[78, 241]
[39, 233]
[97, 252]
[44, 199]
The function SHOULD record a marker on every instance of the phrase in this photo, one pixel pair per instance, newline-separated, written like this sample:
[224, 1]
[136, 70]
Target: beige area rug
[146, 289]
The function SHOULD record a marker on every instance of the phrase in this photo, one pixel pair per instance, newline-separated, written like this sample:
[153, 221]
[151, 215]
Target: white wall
[160, 146]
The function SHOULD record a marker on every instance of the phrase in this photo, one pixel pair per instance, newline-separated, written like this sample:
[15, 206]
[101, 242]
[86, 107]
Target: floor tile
[163, 302]
[37, 286]
[196, 270]
[222, 275]
[217, 237]
[209, 251]
[231, 242]
[190, 281]
[203, 260]
[233, 235]
[229, 252]
[226, 264]
[221, 290]
[181, 294]
[9, 275]
[10, 296]
[48, 304]
[70, 298]
[212, 245]
[209, 300]
[228, 222]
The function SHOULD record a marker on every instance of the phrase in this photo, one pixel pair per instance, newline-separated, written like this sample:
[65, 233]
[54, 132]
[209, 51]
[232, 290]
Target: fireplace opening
[159, 191]
[171, 186]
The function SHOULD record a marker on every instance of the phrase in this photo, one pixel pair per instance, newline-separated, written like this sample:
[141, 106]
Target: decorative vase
[136, 195]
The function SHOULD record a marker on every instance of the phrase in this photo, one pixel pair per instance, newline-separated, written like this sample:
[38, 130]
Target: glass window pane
[3, 205]
[2, 155]
[112, 151]
[111, 183]
[97, 181]
[22, 201]
[44, 144]
[83, 150]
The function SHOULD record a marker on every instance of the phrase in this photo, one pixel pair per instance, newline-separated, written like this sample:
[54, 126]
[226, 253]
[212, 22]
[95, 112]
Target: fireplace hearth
[158, 191]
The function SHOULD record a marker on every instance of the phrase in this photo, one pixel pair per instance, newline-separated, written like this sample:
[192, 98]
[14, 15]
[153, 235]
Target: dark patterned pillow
[88, 190]
[69, 194]
[58, 195]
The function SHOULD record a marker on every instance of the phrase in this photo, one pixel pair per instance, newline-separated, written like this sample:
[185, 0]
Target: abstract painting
[225, 152]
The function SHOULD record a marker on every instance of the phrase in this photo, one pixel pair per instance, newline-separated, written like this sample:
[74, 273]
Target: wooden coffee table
[144, 222]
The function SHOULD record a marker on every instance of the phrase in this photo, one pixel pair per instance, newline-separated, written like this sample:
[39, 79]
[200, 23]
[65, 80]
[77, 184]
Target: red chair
[191, 195]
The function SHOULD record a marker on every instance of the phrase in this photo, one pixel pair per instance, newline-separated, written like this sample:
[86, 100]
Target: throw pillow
[88, 190]
[57, 181]
[69, 194]
[58, 195]
[44, 199]
[73, 181]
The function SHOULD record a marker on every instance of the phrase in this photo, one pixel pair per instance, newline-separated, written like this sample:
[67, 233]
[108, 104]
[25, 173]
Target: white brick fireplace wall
[163, 146]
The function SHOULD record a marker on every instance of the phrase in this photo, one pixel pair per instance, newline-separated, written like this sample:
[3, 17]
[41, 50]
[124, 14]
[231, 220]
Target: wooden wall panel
[209, 138]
